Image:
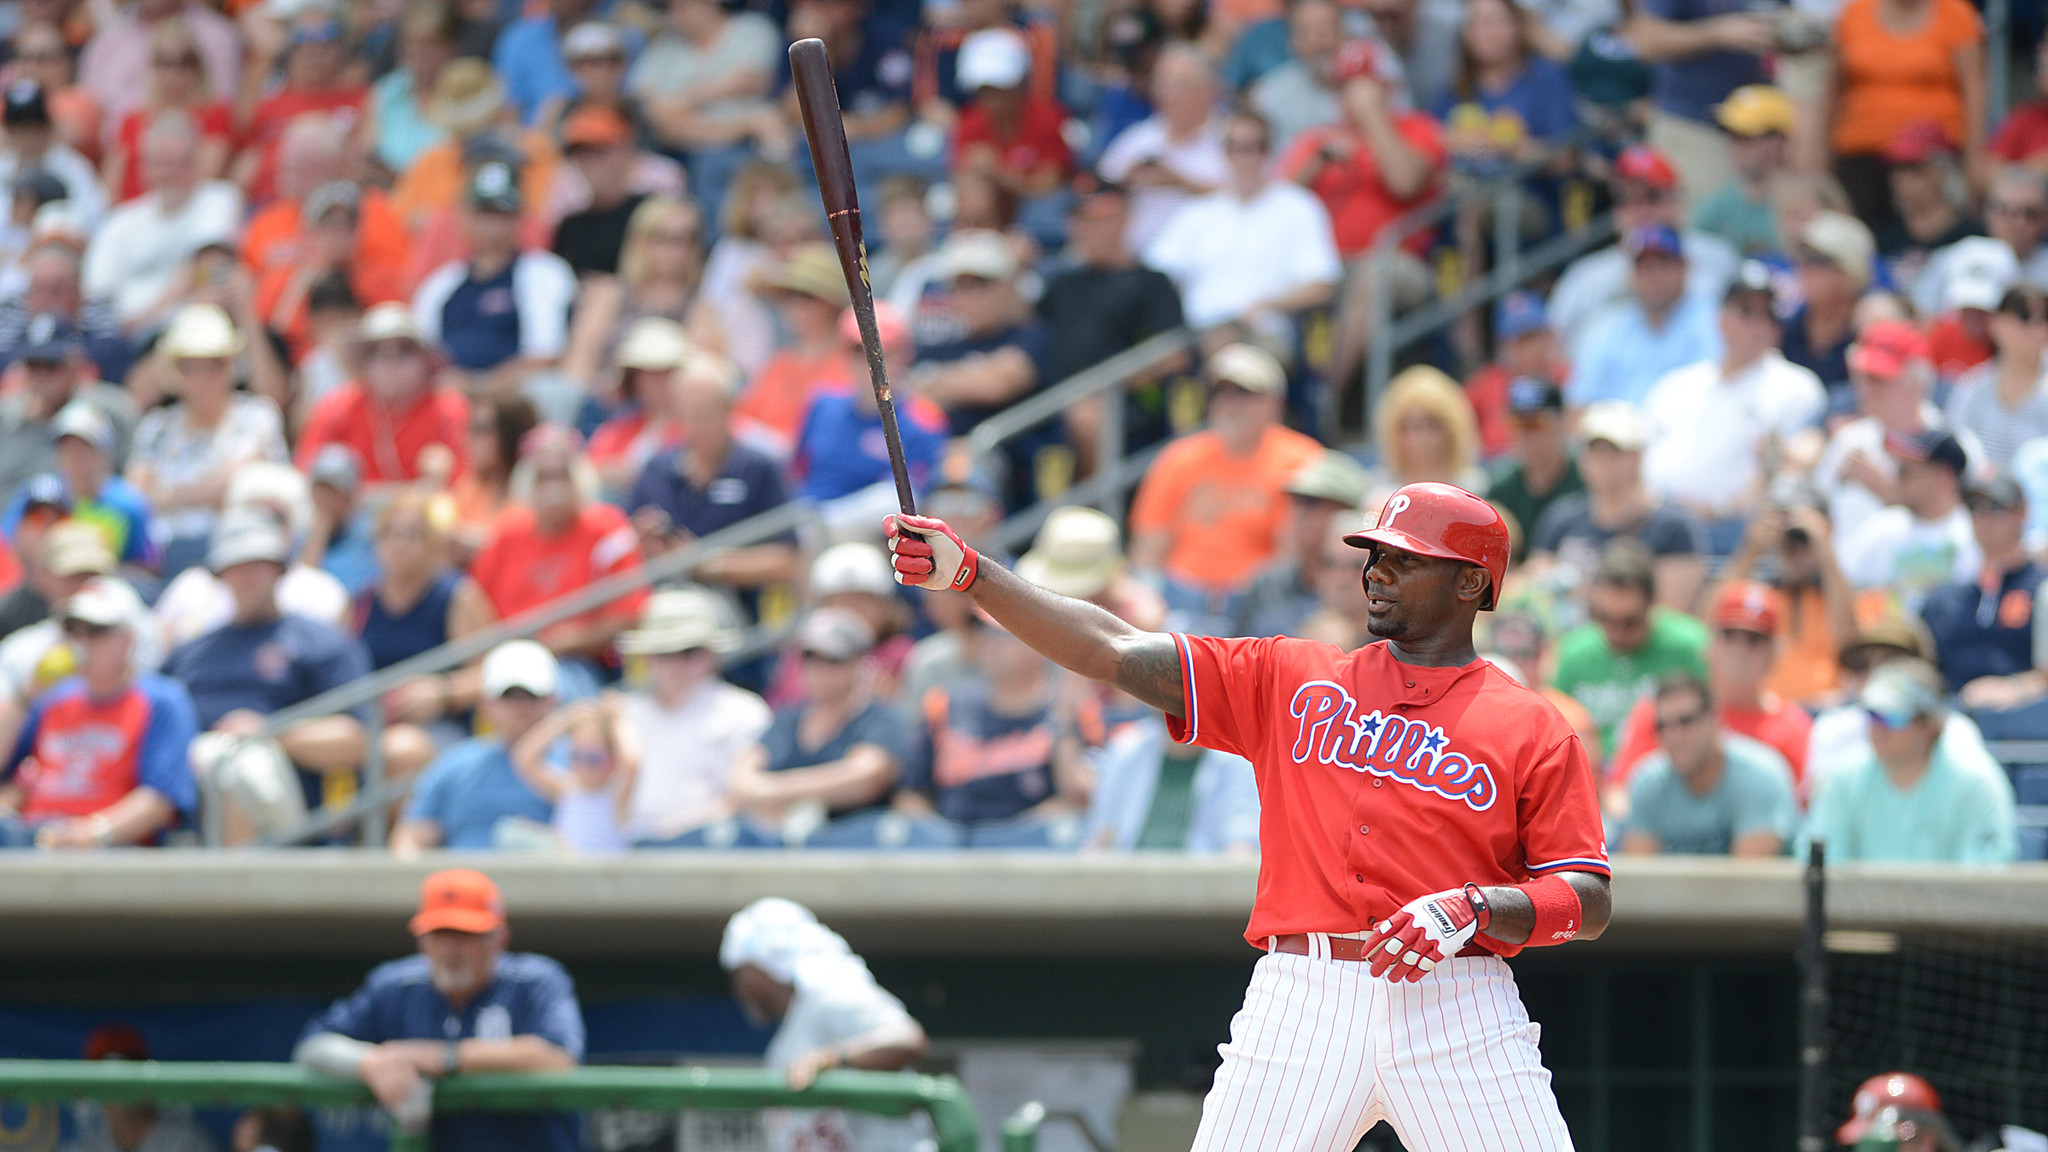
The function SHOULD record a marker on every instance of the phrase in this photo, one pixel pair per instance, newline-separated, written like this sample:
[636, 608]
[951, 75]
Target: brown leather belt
[1344, 947]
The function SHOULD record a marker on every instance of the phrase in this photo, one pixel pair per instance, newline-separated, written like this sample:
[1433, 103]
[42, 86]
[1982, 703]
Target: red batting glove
[1414, 940]
[927, 553]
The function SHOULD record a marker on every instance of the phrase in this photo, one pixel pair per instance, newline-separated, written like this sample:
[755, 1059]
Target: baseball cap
[1896, 1089]
[1077, 553]
[325, 31]
[992, 58]
[1753, 278]
[1518, 313]
[1654, 239]
[1935, 445]
[116, 1042]
[1918, 142]
[495, 187]
[82, 421]
[40, 185]
[835, 634]
[1528, 395]
[596, 126]
[75, 548]
[1361, 58]
[1756, 110]
[977, 252]
[1252, 369]
[200, 332]
[338, 467]
[1885, 347]
[25, 105]
[519, 664]
[1900, 692]
[593, 38]
[654, 343]
[390, 320]
[1746, 605]
[45, 490]
[679, 619]
[1332, 476]
[1980, 269]
[107, 602]
[329, 196]
[1841, 240]
[812, 270]
[851, 567]
[459, 899]
[1617, 422]
[889, 325]
[246, 535]
[49, 339]
[2001, 490]
[1646, 165]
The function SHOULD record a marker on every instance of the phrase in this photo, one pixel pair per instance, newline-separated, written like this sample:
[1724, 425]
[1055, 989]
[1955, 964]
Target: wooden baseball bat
[818, 96]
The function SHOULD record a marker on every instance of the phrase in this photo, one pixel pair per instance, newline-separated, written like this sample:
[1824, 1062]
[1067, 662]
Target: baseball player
[1422, 816]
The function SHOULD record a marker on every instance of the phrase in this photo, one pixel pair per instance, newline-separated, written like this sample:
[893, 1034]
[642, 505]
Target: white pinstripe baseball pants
[1322, 1050]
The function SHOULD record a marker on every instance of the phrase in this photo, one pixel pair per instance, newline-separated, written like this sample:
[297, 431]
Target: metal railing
[257, 1085]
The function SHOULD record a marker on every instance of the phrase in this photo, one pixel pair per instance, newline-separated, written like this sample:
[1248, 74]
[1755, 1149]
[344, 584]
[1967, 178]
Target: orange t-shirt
[273, 239]
[1785, 727]
[520, 568]
[1890, 81]
[1224, 512]
[389, 444]
[435, 181]
[773, 404]
[1808, 665]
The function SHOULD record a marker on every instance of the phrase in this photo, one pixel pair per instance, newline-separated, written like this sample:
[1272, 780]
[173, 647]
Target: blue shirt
[530, 996]
[1690, 86]
[469, 788]
[390, 638]
[264, 667]
[528, 58]
[1960, 811]
[1257, 50]
[1621, 356]
[976, 763]
[748, 484]
[877, 724]
[480, 321]
[352, 556]
[158, 757]
[1224, 812]
[1979, 635]
[1754, 794]
[403, 130]
[1540, 97]
[841, 449]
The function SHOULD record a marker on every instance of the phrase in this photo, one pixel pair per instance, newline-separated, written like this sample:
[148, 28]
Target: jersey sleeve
[1223, 682]
[1558, 812]
[356, 1016]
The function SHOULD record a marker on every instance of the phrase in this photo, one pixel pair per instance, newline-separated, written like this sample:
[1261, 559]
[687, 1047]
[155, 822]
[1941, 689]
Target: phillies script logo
[1407, 750]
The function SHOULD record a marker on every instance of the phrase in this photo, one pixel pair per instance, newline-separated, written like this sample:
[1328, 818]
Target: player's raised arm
[1074, 634]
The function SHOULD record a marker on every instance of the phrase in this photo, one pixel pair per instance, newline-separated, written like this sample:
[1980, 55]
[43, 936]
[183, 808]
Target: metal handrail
[654, 1088]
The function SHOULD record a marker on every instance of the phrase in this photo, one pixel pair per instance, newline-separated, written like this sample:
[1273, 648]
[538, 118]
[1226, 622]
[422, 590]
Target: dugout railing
[955, 1125]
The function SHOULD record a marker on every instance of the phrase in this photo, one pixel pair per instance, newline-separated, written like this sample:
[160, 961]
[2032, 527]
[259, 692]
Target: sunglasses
[174, 61]
[1888, 723]
[85, 629]
[1621, 623]
[392, 350]
[1245, 147]
[613, 59]
[1672, 723]
[821, 658]
[1745, 638]
[2030, 211]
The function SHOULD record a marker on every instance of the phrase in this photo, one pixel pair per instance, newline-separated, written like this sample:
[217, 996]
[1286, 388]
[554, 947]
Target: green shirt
[1608, 683]
[1750, 225]
[1959, 812]
[1509, 488]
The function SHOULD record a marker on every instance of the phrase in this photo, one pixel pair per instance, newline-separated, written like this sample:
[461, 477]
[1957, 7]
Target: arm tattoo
[1149, 669]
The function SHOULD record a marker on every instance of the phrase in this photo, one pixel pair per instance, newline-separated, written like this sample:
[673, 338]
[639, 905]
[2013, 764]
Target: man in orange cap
[462, 1004]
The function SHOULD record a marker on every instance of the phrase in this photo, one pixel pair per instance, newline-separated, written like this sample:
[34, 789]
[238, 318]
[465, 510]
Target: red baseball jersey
[1381, 781]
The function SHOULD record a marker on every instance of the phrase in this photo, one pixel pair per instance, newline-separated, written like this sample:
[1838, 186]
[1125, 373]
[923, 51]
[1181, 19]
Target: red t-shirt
[213, 120]
[1358, 201]
[1380, 782]
[1785, 727]
[2024, 134]
[1952, 348]
[520, 568]
[388, 443]
[1038, 139]
[271, 117]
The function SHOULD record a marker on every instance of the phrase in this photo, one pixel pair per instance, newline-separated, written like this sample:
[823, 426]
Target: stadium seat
[2030, 783]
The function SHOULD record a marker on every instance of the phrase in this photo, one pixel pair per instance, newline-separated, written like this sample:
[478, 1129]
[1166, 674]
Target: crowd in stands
[332, 332]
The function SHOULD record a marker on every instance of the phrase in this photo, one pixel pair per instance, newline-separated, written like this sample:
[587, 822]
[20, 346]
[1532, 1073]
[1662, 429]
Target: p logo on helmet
[1447, 522]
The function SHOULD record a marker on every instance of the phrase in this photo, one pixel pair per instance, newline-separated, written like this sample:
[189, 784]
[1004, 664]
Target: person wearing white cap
[1000, 353]
[264, 660]
[648, 358]
[1911, 794]
[472, 788]
[1208, 514]
[1079, 552]
[854, 576]
[692, 725]
[1573, 531]
[395, 414]
[1008, 133]
[85, 450]
[185, 452]
[2004, 400]
[108, 745]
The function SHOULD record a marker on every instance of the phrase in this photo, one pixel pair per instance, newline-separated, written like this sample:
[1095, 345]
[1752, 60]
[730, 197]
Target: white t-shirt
[687, 756]
[136, 253]
[836, 1000]
[88, 199]
[196, 602]
[543, 287]
[177, 453]
[1850, 503]
[1600, 278]
[1706, 430]
[1228, 254]
[1199, 160]
[1893, 549]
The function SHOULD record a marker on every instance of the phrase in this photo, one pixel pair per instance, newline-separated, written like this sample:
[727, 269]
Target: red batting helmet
[1445, 521]
[1888, 1089]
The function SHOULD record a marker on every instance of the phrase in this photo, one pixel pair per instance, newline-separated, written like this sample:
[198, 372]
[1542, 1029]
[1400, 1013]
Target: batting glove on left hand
[1406, 945]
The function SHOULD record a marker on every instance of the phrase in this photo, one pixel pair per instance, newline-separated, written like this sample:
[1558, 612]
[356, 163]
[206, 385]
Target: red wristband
[1558, 914]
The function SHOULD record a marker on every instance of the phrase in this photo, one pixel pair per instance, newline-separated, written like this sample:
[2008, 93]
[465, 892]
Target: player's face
[1410, 596]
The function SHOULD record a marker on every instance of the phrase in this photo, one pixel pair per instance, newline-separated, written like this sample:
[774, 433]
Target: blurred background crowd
[333, 331]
